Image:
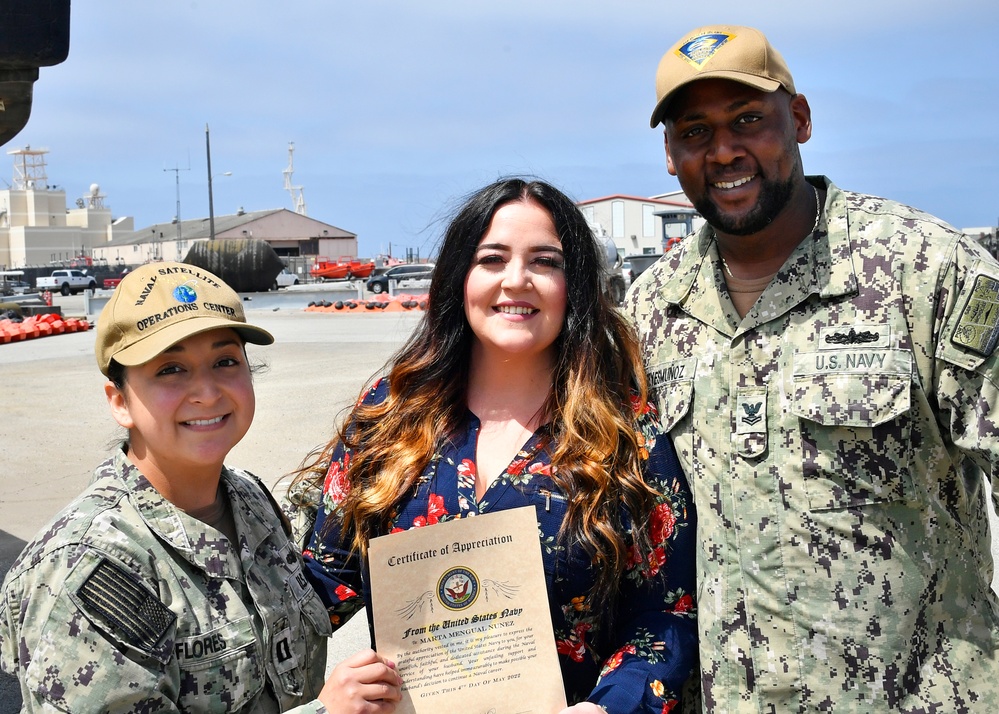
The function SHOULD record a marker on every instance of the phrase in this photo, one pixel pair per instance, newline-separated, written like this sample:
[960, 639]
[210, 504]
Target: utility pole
[177, 171]
[211, 206]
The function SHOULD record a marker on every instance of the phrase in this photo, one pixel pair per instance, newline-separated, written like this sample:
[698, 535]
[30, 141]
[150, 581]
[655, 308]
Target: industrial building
[641, 226]
[37, 228]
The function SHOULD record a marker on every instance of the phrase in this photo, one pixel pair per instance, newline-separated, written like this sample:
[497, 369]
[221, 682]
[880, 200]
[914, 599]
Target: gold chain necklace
[815, 227]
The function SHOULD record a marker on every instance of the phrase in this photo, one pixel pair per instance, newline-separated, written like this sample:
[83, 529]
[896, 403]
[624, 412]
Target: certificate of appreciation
[462, 609]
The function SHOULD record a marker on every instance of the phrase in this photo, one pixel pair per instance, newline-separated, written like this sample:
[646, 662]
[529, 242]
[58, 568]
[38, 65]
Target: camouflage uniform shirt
[838, 441]
[125, 603]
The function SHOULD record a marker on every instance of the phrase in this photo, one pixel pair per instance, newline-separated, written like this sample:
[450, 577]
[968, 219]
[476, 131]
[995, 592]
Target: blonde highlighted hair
[598, 449]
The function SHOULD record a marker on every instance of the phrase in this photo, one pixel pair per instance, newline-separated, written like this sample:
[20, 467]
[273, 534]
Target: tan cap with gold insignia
[741, 54]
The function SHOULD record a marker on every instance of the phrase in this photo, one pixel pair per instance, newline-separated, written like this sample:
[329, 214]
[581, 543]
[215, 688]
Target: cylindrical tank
[247, 265]
[611, 258]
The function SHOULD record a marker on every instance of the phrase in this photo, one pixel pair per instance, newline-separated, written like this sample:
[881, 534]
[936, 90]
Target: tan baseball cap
[741, 54]
[158, 305]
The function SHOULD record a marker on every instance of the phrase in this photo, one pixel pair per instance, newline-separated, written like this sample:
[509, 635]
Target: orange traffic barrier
[12, 332]
[8, 334]
[400, 303]
[39, 326]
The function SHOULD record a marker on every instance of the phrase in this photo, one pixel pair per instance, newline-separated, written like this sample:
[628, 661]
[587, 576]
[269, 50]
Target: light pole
[177, 171]
[211, 205]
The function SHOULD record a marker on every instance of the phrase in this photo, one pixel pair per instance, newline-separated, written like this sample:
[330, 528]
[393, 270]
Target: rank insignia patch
[751, 410]
[978, 326]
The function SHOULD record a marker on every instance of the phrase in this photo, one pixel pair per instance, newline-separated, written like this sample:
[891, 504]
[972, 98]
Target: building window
[617, 219]
[648, 221]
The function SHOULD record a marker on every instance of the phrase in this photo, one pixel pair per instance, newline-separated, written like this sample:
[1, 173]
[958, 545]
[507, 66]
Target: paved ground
[55, 426]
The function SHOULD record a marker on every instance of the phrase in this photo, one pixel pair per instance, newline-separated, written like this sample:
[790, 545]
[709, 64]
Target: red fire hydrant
[47, 297]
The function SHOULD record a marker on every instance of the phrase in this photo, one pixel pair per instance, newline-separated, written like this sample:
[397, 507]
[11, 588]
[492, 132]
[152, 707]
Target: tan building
[36, 228]
[640, 226]
[291, 235]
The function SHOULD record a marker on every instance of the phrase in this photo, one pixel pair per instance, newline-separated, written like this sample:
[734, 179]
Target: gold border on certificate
[462, 609]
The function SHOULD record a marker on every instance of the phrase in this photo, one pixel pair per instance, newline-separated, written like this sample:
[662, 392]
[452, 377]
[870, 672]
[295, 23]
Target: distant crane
[297, 192]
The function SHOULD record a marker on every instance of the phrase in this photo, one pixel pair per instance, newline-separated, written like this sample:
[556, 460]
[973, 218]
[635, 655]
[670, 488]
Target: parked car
[284, 279]
[67, 282]
[112, 283]
[409, 275]
[11, 283]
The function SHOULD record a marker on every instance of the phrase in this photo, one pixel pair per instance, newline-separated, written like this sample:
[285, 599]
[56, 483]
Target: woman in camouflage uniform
[170, 584]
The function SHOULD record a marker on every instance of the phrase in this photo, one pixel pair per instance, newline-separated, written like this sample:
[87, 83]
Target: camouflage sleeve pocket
[118, 603]
[976, 333]
[855, 426]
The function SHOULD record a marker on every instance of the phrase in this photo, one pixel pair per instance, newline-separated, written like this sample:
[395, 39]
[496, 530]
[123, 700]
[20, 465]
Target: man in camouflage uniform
[825, 364]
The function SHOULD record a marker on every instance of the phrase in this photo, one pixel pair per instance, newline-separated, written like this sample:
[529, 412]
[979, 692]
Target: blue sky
[397, 109]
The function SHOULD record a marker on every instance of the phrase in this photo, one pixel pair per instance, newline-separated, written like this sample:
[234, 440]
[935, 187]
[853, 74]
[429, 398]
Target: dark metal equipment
[32, 34]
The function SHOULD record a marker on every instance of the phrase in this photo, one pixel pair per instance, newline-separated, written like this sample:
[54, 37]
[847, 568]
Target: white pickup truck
[67, 282]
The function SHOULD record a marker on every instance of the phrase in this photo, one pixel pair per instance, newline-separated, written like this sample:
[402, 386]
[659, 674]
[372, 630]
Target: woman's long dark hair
[598, 451]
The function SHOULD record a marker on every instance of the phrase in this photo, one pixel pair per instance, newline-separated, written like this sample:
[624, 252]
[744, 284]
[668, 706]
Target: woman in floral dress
[523, 386]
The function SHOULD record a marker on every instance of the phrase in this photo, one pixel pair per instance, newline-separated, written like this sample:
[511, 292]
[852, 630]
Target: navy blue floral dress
[638, 665]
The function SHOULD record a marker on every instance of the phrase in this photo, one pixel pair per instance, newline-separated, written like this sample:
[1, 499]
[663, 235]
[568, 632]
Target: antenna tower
[176, 170]
[95, 199]
[297, 192]
[29, 168]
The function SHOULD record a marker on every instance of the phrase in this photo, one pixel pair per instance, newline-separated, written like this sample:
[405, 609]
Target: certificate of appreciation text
[462, 609]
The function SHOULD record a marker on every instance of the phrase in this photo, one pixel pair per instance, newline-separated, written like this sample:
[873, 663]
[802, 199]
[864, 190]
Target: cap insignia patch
[185, 293]
[702, 48]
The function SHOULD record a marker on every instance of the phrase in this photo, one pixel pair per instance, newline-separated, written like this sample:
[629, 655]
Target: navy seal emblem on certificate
[458, 588]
